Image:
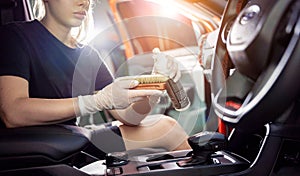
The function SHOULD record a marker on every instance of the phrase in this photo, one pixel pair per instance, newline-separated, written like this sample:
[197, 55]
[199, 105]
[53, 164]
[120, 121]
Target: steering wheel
[255, 67]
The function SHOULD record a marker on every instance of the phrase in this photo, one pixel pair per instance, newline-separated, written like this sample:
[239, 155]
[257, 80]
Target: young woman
[48, 77]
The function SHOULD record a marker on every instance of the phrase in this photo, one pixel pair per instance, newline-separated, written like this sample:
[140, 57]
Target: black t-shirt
[52, 69]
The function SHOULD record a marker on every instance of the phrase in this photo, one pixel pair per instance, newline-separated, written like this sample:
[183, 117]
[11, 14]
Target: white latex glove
[165, 65]
[117, 95]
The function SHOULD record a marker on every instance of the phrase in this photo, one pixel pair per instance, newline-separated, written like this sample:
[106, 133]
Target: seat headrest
[6, 4]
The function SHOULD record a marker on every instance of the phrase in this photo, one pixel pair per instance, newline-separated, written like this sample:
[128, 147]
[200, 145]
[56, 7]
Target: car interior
[250, 90]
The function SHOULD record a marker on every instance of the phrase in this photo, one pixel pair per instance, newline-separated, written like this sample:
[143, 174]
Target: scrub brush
[148, 82]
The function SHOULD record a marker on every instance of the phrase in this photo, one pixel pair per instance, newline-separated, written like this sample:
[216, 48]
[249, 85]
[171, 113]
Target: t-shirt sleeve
[14, 59]
[104, 75]
[93, 66]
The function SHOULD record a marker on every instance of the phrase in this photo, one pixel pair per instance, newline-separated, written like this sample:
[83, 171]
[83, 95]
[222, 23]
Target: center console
[207, 157]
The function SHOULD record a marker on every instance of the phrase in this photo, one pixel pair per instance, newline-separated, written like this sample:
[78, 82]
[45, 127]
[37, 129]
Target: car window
[151, 25]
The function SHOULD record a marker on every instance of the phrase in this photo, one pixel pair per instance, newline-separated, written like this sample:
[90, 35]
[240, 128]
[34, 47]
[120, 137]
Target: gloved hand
[117, 95]
[165, 65]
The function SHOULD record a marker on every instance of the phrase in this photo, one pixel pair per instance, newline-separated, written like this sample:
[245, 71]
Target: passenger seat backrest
[6, 10]
[14, 10]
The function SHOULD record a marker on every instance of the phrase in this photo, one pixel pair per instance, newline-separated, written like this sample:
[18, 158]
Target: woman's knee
[168, 123]
[159, 120]
[156, 131]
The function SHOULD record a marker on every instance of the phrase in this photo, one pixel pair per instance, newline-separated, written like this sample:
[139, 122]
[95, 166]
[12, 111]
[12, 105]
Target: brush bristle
[147, 79]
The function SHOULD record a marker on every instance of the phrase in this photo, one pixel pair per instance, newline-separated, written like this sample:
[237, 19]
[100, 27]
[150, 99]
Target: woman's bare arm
[17, 109]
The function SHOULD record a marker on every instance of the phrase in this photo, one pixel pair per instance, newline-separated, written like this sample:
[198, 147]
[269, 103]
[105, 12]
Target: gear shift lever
[204, 144]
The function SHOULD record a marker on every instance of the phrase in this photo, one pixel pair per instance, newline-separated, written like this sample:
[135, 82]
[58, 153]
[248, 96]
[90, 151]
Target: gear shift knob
[204, 144]
[207, 141]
